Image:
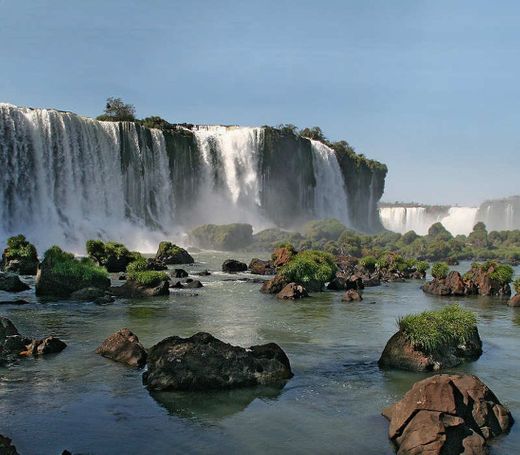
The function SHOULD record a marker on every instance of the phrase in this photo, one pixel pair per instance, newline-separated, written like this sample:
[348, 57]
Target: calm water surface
[79, 401]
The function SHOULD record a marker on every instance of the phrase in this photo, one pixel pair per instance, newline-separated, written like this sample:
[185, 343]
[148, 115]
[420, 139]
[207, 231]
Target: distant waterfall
[66, 178]
[500, 213]
[330, 196]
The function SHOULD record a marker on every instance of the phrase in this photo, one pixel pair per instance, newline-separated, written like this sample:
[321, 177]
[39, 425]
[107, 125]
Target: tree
[314, 133]
[117, 110]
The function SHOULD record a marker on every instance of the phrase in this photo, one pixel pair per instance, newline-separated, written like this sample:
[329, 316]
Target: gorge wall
[67, 178]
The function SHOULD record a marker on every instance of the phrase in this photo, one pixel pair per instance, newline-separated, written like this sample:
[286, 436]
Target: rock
[180, 273]
[7, 328]
[131, 289]
[292, 291]
[344, 281]
[6, 446]
[124, 347]
[87, 294]
[400, 354]
[114, 256]
[233, 266]
[447, 414]
[49, 345]
[14, 302]
[351, 295]
[193, 284]
[11, 282]
[168, 253]
[202, 273]
[177, 285]
[203, 362]
[514, 301]
[224, 237]
[103, 300]
[282, 256]
[436, 287]
[455, 283]
[275, 285]
[260, 267]
[155, 264]
[122, 277]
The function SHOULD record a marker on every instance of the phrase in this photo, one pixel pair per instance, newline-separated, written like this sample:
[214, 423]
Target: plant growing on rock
[440, 270]
[368, 262]
[433, 331]
[516, 285]
[137, 271]
[422, 266]
[310, 268]
[23, 253]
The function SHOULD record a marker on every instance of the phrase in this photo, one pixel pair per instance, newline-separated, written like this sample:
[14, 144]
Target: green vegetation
[310, 268]
[516, 285]
[64, 267]
[112, 255]
[116, 110]
[422, 266]
[137, 271]
[369, 263]
[440, 270]
[502, 273]
[21, 250]
[226, 237]
[433, 331]
[328, 229]
[169, 253]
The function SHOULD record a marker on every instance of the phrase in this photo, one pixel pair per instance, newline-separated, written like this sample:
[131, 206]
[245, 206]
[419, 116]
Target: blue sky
[431, 88]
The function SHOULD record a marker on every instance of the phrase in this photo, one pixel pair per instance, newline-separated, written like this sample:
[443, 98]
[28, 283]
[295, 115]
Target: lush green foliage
[116, 110]
[369, 263]
[516, 285]
[139, 265]
[18, 247]
[328, 229]
[422, 266]
[148, 277]
[433, 331]
[222, 237]
[310, 267]
[64, 266]
[440, 270]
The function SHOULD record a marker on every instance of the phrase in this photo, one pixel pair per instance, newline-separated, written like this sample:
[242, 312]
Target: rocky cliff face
[70, 177]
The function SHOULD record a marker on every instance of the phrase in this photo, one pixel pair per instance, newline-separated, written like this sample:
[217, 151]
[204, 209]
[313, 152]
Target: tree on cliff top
[116, 110]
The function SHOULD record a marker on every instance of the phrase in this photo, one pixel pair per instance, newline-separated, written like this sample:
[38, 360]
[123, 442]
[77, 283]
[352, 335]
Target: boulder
[20, 256]
[447, 414]
[436, 287]
[261, 267]
[49, 345]
[193, 284]
[87, 294]
[233, 266]
[275, 285]
[11, 282]
[123, 346]
[352, 296]
[169, 253]
[177, 284]
[179, 273]
[155, 264]
[514, 301]
[7, 328]
[6, 446]
[455, 283]
[282, 256]
[292, 291]
[399, 353]
[202, 273]
[202, 362]
[132, 289]
[344, 281]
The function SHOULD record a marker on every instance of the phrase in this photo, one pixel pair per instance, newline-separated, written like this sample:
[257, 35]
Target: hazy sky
[431, 88]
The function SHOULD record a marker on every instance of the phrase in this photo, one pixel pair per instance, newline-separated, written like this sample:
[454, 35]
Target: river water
[82, 402]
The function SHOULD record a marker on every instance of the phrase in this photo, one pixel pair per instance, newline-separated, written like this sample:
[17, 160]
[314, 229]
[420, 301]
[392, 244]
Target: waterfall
[66, 178]
[404, 219]
[460, 220]
[500, 214]
[330, 196]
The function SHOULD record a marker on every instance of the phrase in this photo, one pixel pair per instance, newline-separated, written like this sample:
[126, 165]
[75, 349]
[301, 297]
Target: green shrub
[139, 265]
[503, 274]
[147, 278]
[440, 270]
[19, 248]
[422, 266]
[328, 229]
[516, 285]
[368, 262]
[433, 331]
[310, 268]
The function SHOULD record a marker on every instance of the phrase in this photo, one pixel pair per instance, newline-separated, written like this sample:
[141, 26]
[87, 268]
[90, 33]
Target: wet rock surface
[123, 346]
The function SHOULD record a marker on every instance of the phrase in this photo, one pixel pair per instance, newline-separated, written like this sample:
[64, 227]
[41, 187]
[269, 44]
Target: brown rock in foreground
[514, 301]
[123, 346]
[352, 296]
[292, 291]
[275, 285]
[447, 414]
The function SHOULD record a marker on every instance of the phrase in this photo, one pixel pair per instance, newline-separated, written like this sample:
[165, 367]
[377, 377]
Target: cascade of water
[330, 196]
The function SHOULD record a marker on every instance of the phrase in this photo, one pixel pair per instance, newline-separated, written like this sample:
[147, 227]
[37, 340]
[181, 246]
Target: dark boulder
[344, 281]
[180, 273]
[399, 353]
[233, 266]
[261, 267]
[202, 273]
[7, 328]
[14, 302]
[88, 294]
[49, 345]
[169, 253]
[275, 285]
[155, 264]
[11, 282]
[193, 284]
[132, 289]
[202, 362]
[123, 346]
[352, 296]
[447, 414]
[6, 446]
[292, 291]
[177, 284]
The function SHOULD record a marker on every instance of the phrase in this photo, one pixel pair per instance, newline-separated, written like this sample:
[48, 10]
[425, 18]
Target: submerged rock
[87, 294]
[233, 266]
[11, 282]
[447, 414]
[14, 302]
[261, 267]
[169, 253]
[352, 296]
[193, 284]
[49, 345]
[6, 446]
[203, 362]
[399, 353]
[292, 291]
[123, 346]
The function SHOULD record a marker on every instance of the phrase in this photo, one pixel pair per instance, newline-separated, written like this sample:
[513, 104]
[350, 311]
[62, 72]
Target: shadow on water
[210, 407]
